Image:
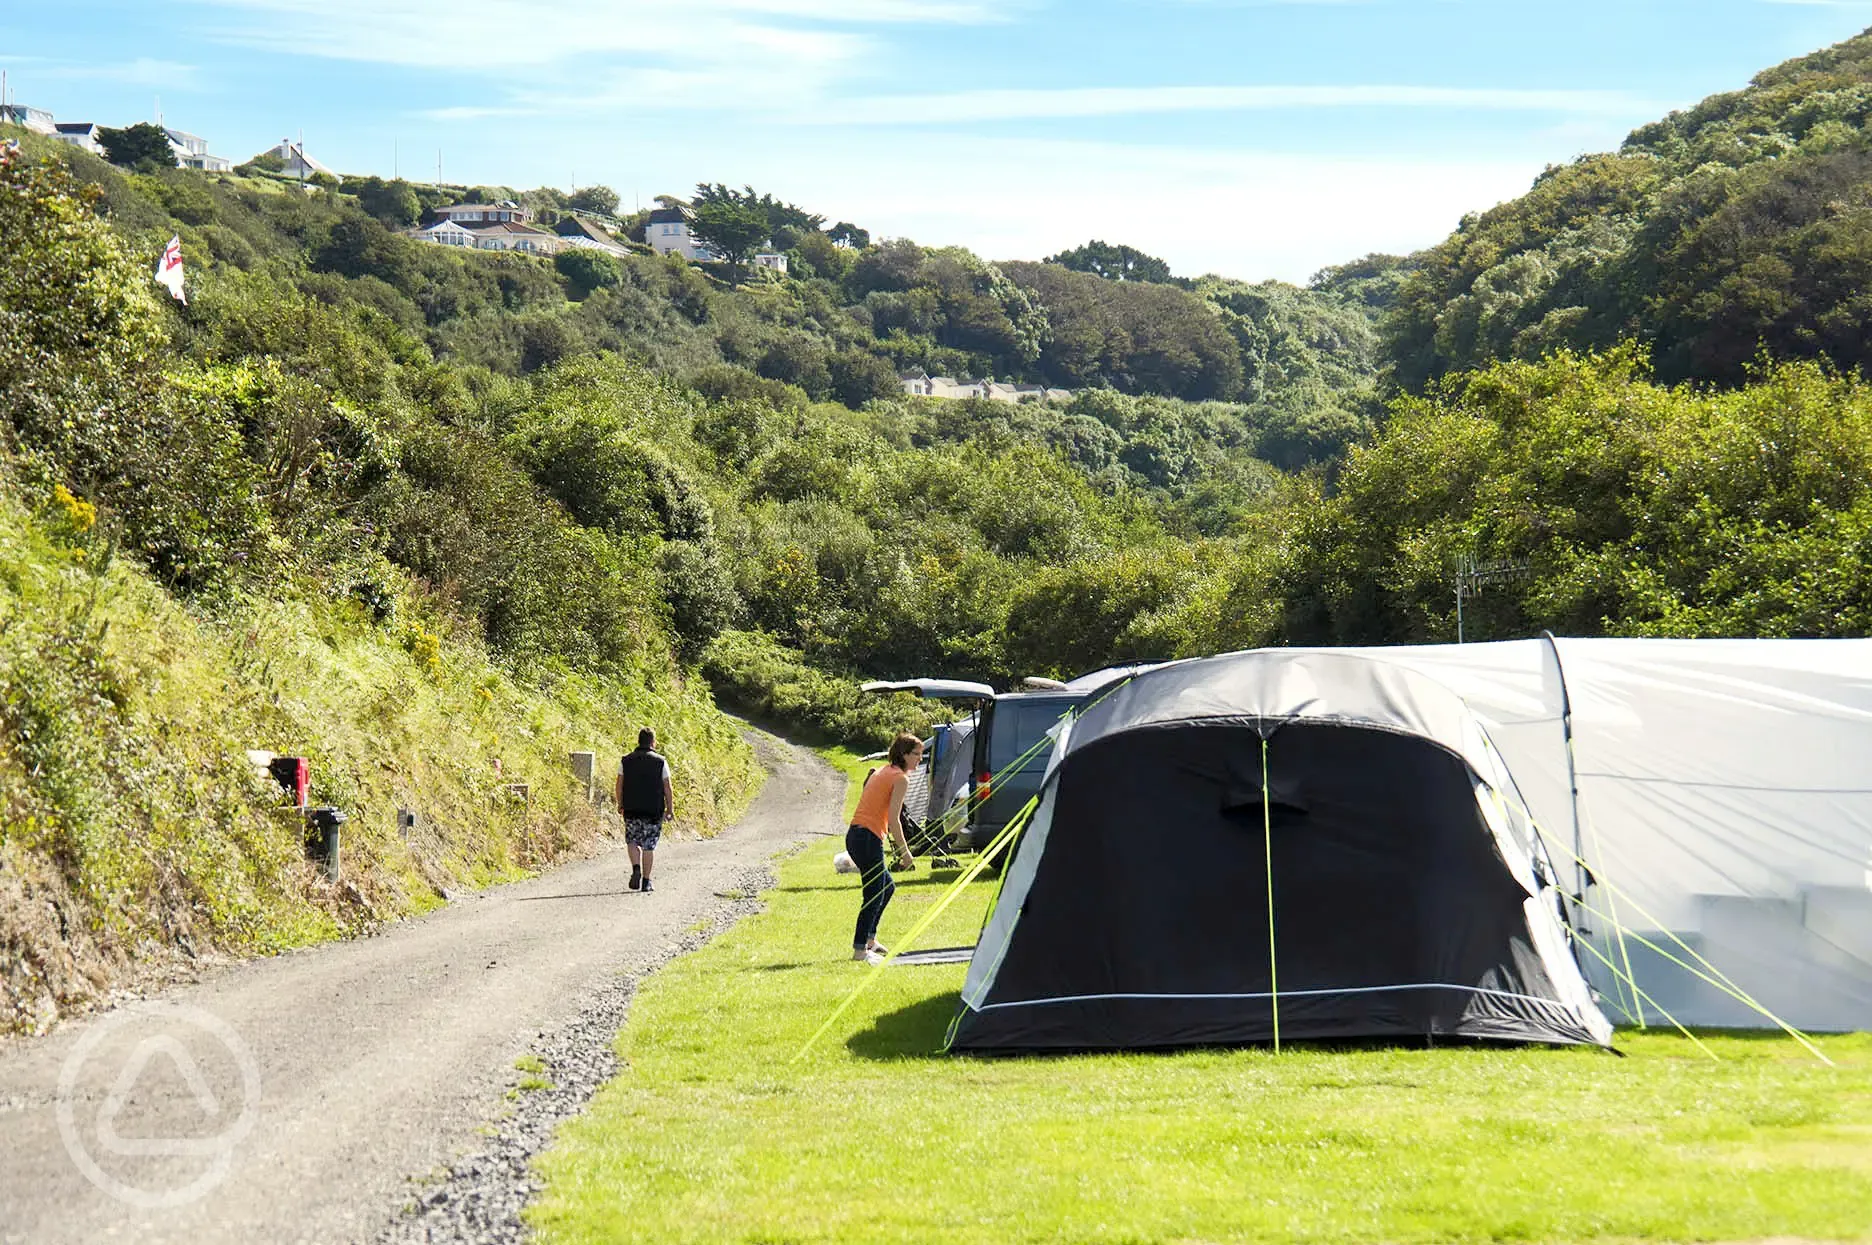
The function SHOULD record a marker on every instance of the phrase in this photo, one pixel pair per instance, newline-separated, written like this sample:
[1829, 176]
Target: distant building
[668, 233]
[297, 163]
[920, 384]
[771, 260]
[475, 215]
[38, 120]
[447, 233]
[82, 134]
[579, 232]
[192, 153]
[508, 236]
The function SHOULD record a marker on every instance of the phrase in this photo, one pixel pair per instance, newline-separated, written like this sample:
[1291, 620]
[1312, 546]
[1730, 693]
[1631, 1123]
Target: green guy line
[1267, 831]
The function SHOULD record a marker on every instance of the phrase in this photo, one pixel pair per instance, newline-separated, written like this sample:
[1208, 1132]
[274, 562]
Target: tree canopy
[600, 199]
[143, 147]
[1735, 227]
[734, 230]
[1114, 263]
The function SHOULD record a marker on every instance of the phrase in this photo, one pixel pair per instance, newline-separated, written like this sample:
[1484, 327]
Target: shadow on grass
[905, 882]
[913, 1032]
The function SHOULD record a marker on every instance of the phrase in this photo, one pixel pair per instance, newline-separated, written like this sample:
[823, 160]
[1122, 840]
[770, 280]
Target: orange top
[873, 812]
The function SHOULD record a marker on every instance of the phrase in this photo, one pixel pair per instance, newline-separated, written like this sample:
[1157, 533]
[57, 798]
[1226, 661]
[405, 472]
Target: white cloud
[1244, 214]
[525, 34]
[143, 71]
[1012, 103]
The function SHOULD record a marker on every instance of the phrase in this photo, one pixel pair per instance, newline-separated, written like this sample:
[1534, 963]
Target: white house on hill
[192, 152]
[81, 134]
[297, 162]
[38, 120]
[667, 232]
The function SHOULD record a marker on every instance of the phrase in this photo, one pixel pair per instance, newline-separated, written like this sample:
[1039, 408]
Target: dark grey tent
[1409, 893]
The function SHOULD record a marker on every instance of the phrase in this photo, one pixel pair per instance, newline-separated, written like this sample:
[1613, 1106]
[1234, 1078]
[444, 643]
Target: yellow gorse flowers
[80, 513]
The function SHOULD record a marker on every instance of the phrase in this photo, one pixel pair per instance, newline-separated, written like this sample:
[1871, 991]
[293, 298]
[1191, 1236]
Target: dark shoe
[646, 887]
[636, 881]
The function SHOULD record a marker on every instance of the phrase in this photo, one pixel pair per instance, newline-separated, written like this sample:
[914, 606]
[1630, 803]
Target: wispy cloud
[1263, 214]
[1019, 103]
[581, 57]
[143, 71]
[516, 34]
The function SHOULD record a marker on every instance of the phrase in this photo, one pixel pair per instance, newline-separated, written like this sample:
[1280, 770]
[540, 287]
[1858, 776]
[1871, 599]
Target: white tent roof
[1724, 795]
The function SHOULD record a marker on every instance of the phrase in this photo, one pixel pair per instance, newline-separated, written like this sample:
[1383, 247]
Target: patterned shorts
[641, 833]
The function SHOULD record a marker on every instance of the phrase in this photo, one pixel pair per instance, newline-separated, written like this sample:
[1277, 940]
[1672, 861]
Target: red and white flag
[169, 269]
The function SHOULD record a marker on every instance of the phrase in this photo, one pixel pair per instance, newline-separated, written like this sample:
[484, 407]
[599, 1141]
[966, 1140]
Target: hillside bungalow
[579, 232]
[772, 261]
[38, 120]
[192, 152]
[295, 160]
[667, 232]
[80, 134]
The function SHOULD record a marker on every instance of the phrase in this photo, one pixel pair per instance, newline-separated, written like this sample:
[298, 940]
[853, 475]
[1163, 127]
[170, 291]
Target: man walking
[647, 800]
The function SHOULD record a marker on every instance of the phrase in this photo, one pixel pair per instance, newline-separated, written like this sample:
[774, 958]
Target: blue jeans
[867, 852]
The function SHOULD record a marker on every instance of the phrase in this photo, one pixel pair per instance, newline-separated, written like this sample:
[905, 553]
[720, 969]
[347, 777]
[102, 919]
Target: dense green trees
[1639, 509]
[734, 230]
[597, 198]
[144, 147]
[1739, 225]
[729, 473]
[1114, 263]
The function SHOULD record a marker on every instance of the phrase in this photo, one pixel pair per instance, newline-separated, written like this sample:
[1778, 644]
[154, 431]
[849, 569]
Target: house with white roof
[192, 152]
[38, 120]
[447, 233]
[297, 163]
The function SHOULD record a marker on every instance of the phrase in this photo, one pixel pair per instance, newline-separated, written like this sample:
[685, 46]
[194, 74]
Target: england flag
[169, 269]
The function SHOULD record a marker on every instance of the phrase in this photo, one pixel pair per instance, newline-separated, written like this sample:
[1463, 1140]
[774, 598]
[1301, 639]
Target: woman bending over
[880, 813]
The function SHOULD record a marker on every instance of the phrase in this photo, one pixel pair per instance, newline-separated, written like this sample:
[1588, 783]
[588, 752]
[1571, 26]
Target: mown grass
[714, 1133]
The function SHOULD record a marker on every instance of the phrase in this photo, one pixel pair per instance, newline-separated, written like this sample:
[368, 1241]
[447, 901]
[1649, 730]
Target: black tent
[1409, 898]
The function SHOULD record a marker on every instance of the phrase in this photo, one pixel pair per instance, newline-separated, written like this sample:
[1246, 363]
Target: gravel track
[361, 1091]
[481, 1199]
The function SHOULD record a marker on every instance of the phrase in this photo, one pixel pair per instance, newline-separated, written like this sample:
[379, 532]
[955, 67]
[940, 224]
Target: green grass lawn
[713, 1133]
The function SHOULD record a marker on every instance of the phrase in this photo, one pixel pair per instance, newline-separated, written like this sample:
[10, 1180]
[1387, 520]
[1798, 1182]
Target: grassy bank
[713, 1134]
[134, 833]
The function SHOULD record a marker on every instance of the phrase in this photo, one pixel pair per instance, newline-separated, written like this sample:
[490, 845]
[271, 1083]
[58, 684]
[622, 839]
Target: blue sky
[1256, 138]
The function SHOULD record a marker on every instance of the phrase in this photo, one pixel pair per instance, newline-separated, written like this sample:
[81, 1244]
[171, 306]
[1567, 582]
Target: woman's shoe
[863, 956]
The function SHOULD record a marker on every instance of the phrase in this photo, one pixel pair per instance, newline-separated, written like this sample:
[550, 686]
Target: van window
[1018, 725]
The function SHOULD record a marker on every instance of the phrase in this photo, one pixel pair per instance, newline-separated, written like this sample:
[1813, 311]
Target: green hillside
[1740, 227]
[412, 509]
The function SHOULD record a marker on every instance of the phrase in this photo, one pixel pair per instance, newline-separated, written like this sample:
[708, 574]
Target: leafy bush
[774, 684]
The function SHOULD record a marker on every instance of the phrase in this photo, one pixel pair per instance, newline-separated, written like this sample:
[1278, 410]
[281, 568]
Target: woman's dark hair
[903, 746]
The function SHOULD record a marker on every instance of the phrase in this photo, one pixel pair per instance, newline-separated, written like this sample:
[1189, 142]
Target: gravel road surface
[321, 1096]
